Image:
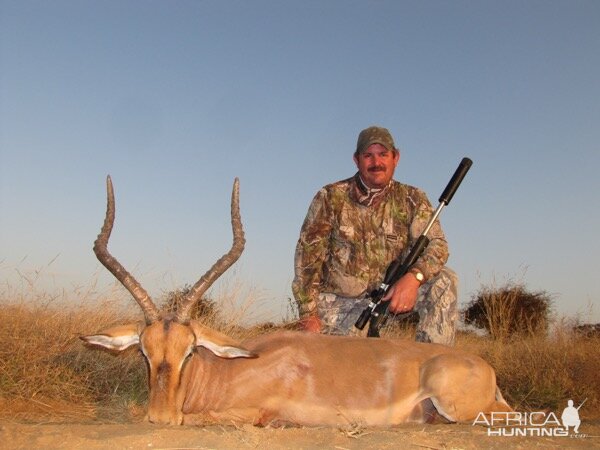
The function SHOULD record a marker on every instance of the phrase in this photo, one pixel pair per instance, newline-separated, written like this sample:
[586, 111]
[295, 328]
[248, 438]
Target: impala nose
[165, 417]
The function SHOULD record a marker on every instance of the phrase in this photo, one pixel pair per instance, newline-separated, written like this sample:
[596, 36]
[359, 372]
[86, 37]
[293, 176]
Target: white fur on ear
[225, 351]
[218, 343]
[112, 342]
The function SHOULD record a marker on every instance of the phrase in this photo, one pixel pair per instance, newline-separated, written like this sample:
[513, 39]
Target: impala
[198, 375]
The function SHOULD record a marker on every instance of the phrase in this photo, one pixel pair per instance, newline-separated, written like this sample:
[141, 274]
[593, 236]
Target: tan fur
[308, 379]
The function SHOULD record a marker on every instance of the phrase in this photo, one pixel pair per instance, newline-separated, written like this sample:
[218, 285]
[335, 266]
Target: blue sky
[176, 98]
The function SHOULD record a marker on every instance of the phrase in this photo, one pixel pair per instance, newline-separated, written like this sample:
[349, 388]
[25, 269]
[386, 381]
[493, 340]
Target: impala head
[167, 341]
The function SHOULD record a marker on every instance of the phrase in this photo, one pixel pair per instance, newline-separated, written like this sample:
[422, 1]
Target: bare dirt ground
[91, 435]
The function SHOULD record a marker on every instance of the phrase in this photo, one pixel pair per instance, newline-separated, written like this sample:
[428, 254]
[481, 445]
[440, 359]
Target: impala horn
[151, 312]
[184, 311]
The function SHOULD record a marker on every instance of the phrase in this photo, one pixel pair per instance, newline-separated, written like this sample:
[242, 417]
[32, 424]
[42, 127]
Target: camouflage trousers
[436, 305]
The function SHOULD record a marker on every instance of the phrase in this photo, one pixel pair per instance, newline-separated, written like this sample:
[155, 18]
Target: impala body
[198, 375]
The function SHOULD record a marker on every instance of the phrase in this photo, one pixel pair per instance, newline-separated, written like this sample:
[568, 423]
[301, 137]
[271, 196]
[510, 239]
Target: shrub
[204, 309]
[589, 330]
[509, 310]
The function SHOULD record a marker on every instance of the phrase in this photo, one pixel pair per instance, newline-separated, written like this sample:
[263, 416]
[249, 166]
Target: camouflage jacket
[345, 247]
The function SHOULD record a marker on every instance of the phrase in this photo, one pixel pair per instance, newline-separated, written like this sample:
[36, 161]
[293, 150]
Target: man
[353, 229]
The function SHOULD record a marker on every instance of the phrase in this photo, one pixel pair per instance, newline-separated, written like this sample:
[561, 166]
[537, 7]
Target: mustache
[376, 169]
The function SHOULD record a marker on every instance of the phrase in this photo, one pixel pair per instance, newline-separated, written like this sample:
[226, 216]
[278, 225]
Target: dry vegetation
[509, 310]
[47, 373]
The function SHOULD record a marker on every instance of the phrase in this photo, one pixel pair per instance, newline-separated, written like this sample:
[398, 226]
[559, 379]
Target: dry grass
[544, 371]
[537, 371]
[47, 373]
[509, 310]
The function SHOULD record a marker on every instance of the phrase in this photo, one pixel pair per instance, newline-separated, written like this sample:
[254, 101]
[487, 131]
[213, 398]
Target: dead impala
[198, 375]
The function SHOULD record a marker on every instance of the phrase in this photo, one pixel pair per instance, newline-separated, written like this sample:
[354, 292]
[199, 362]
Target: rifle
[582, 404]
[376, 312]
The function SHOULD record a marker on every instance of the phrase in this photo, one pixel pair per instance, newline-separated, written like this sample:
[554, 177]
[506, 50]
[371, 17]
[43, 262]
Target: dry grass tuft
[509, 310]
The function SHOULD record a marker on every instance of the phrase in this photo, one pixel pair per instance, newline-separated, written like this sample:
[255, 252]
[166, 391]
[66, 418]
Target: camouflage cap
[374, 135]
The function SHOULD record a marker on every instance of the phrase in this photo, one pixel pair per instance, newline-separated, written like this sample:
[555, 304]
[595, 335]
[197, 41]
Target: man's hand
[311, 323]
[403, 294]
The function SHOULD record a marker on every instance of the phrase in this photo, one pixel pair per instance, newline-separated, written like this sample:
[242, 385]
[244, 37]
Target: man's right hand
[311, 323]
[403, 294]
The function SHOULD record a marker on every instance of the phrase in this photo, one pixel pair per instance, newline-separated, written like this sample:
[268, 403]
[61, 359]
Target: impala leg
[425, 412]
[460, 386]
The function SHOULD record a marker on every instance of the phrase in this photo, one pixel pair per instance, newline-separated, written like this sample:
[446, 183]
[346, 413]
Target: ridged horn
[218, 268]
[140, 295]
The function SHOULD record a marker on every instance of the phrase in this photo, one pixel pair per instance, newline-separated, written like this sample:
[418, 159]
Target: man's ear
[218, 343]
[116, 338]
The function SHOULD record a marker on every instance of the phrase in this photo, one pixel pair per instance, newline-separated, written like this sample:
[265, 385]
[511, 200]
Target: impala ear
[225, 351]
[218, 343]
[116, 338]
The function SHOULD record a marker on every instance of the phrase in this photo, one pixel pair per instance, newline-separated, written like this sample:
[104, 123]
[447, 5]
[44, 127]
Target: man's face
[376, 165]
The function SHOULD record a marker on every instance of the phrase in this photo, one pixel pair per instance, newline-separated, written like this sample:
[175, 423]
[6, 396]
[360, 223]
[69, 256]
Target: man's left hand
[403, 294]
